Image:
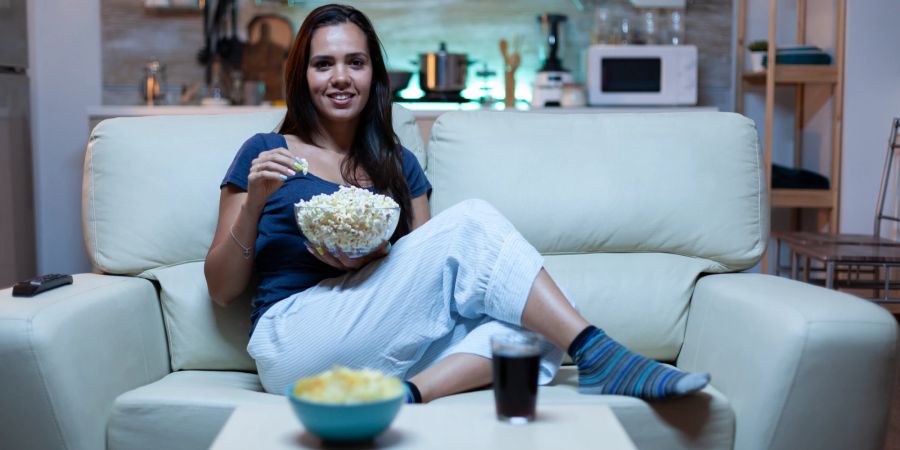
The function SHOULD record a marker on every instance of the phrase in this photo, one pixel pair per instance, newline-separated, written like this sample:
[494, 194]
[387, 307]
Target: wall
[64, 60]
[871, 99]
[131, 37]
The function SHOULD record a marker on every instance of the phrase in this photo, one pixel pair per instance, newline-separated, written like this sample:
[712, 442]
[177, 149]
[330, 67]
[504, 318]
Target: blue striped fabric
[606, 367]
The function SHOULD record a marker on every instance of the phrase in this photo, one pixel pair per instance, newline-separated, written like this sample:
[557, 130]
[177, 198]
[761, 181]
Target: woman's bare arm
[229, 262]
[420, 212]
[227, 270]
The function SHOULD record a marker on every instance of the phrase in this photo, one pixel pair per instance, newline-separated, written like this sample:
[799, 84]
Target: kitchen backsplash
[132, 36]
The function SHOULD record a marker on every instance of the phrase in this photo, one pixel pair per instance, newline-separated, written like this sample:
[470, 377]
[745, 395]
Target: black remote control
[36, 285]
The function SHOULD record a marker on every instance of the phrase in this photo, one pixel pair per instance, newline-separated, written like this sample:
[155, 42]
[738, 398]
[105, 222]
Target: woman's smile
[341, 99]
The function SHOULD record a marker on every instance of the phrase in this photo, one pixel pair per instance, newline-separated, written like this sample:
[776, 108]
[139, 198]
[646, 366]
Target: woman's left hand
[344, 262]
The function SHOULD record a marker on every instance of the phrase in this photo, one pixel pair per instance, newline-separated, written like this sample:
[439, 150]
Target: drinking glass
[516, 359]
[676, 27]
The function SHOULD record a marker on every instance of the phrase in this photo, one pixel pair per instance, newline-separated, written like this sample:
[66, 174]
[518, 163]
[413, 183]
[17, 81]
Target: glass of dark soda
[516, 358]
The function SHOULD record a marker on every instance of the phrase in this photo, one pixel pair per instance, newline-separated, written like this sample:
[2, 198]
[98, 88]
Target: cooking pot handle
[472, 61]
[414, 62]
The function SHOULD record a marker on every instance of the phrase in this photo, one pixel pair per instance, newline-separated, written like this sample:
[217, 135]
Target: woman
[424, 305]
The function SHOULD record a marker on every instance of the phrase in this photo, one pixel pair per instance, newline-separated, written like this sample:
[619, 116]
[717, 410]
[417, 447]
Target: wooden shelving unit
[796, 74]
[826, 201]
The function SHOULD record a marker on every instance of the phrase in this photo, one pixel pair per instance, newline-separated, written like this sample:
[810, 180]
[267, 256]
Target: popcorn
[302, 165]
[353, 220]
[341, 385]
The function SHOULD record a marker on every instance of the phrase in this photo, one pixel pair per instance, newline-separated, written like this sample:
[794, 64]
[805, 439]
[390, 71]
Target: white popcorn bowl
[335, 230]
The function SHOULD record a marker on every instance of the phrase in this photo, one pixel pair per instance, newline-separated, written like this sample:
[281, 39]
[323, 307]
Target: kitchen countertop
[419, 110]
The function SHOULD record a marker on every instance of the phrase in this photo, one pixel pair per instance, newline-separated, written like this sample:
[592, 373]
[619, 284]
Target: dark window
[631, 74]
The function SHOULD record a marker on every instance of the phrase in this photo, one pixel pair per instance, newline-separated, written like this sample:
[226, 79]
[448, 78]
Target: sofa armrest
[803, 366]
[68, 353]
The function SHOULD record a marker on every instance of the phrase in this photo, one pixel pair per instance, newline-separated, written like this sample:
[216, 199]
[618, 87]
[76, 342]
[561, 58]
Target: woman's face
[339, 72]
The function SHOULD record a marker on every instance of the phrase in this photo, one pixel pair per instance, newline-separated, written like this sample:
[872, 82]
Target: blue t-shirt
[283, 266]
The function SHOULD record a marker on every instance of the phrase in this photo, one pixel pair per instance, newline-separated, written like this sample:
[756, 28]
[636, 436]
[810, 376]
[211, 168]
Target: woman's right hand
[342, 261]
[268, 172]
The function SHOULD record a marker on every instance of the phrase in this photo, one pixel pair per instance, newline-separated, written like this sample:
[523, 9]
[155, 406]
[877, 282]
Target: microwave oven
[641, 75]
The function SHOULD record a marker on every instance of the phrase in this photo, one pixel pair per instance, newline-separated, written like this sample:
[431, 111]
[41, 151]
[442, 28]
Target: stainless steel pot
[443, 72]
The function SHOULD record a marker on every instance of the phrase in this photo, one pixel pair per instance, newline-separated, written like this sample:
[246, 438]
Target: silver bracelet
[246, 250]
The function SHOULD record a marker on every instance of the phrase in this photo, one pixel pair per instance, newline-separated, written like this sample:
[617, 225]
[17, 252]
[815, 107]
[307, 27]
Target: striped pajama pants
[444, 289]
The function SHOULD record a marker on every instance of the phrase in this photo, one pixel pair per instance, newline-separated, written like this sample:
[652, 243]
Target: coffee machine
[548, 84]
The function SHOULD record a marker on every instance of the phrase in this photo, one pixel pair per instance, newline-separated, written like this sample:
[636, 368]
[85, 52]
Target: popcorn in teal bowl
[347, 405]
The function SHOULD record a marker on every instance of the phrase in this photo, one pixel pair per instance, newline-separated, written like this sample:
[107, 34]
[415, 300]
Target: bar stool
[852, 255]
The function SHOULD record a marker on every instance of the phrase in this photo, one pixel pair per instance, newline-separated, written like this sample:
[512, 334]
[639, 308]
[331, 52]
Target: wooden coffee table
[438, 426]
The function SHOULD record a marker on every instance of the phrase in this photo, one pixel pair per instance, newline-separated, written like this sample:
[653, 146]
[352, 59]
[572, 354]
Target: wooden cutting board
[269, 39]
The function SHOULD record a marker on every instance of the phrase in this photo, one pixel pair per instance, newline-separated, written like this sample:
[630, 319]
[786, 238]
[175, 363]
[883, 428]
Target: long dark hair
[376, 148]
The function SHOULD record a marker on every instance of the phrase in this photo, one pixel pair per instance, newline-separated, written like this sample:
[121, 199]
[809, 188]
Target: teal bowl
[346, 422]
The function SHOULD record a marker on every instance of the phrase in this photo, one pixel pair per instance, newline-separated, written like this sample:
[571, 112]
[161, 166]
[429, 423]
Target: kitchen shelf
[800, 76]
[801, 198]
[796, 74]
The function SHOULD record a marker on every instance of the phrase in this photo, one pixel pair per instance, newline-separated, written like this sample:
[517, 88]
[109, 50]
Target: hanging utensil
[511, 62]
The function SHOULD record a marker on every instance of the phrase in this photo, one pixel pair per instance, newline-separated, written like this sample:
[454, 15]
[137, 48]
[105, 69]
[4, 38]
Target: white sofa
[643, 219]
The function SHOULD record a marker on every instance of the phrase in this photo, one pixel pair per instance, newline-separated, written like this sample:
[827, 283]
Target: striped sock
[606, 367]
[412, 393]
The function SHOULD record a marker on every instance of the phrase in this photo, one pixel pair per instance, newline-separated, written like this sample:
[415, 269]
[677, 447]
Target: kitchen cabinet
[826, 201]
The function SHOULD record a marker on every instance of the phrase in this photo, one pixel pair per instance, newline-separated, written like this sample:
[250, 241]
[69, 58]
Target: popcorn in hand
[302, 165]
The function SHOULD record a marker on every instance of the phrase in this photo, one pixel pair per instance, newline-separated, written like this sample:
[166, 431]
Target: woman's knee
[480, 206]
[477, 211]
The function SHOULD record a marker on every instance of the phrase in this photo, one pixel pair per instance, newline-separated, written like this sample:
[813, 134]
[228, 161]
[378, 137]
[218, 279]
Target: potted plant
[757, 50]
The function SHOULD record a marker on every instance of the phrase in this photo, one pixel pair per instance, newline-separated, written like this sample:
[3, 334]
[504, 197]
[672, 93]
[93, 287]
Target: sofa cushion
[640, 299]
[683, 183]
[186, 410]
[150, 194]
[200, 334]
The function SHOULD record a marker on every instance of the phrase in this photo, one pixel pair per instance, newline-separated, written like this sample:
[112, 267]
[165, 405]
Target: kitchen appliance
[17, 235]
[548, 83]
[442, 75]
[642, 75]
[153, 82]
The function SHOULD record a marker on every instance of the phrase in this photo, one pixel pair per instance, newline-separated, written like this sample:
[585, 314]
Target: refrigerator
[17, 234]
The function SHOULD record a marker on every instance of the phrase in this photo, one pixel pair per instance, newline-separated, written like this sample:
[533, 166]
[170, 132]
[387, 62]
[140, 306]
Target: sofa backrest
[150, 194]
[628, 209]
[150, 201]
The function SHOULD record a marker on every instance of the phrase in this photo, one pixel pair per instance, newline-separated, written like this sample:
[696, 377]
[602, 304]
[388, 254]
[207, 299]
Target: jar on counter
[675, 28]
[649, 25]
[625, 31]
[604, 26]
[573, 95]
